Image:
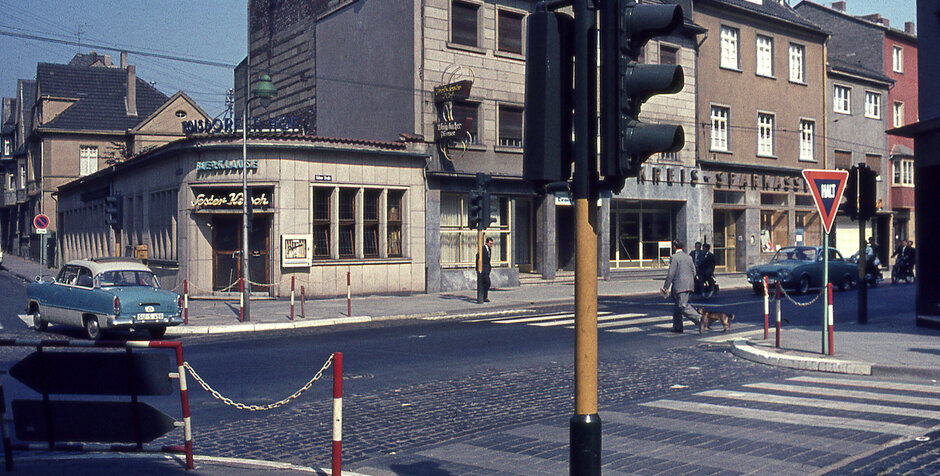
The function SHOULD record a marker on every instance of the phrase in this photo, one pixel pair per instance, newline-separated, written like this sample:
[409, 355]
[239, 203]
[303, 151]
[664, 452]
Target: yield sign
[827, 187]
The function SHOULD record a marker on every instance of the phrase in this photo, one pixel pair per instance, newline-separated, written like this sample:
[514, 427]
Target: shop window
[510, 126]
[805, 201]
[463, 23]
[774, 199]
[807, 226]
[467, 113]
[321, 222]
[347, 222]
[510, 31]
[729, 197]
[774, 230]
[459, 241]
[395, 199]
[370, 223]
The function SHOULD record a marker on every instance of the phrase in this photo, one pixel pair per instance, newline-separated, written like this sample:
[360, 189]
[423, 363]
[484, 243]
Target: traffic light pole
[862, 272]
[585, 428]
[479, 265]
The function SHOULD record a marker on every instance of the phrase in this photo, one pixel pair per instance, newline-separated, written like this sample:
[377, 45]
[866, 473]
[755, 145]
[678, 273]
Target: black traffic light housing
[479, 214]
[850, 207]
[867, 192]
[113, 208]
[626, 84]
[475, 217]
[548, 119]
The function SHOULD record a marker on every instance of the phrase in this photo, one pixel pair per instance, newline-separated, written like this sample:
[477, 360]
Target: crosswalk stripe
[625, 330]
[774, 416]
[600, 318]
[735, 335]
[559, 317]
[841, 392]
[908, 387]
[752, 433]
[822, 403]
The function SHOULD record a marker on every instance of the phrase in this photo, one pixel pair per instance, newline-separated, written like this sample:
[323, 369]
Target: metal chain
[253, 408]
[801, 304]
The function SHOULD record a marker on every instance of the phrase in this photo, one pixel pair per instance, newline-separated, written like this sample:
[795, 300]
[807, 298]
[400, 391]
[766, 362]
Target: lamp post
[264, 90]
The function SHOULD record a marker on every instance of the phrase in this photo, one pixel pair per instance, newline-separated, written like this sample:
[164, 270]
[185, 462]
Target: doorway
[226, 252]
[724, 239]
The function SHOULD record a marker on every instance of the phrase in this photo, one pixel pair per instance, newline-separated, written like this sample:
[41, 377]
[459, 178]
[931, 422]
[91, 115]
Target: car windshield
[798, 254]
[127, 278]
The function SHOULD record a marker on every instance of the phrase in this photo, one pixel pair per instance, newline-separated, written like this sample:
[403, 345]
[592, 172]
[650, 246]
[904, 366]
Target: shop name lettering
[225, 165]
[229, 126]
[658, 175]
[230, 200]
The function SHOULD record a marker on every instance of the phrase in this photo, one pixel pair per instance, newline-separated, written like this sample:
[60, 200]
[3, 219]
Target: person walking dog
[680, 280]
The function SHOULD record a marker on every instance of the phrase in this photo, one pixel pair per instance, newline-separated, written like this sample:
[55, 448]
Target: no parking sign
[41, 222]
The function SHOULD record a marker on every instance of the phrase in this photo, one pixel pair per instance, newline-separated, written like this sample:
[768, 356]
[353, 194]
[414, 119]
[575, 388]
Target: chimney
[838, 6]
[874, 17]
[123, 60]
[131, 91]
[910, 28]
[885, 22]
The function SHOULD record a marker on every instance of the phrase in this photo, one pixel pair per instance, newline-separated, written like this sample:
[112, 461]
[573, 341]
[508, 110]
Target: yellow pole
[585, 309]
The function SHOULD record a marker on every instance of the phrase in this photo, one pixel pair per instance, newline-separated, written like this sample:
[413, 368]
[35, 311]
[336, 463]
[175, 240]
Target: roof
[772, 9]
[97, 266]
[840, 65]
[100, 94]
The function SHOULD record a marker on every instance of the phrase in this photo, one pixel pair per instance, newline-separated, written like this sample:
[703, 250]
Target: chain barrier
[253, 408]
[802, 304]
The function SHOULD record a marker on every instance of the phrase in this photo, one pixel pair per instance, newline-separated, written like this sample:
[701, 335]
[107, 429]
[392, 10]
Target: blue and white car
[102, 294]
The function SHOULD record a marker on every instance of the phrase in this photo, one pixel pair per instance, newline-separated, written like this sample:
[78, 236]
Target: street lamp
[264, 90]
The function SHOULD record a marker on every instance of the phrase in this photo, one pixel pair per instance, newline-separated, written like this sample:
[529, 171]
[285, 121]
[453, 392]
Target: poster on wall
[296, 251]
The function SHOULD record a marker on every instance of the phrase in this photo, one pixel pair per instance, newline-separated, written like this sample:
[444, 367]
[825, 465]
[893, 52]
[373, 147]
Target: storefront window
[640, 237]
[394, 222]
[370, 223]
[807, 227]
[321, 222]
[347, 222]
[349, 216]
[459, 241]
[774, 230]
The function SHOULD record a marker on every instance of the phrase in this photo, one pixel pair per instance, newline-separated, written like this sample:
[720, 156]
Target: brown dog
[709, 317]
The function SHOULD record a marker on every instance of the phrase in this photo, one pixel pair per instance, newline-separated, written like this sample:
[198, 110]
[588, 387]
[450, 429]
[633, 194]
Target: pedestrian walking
[680, 280]
[485, 267]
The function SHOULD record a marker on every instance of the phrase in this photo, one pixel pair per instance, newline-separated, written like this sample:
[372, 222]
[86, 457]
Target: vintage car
[800, 268]
[102, 294]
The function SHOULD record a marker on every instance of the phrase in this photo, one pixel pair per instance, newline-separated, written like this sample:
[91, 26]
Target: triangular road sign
[827, 187]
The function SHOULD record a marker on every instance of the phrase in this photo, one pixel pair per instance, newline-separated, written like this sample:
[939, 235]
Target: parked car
[800, 268]
[1, 257]
[102, 294]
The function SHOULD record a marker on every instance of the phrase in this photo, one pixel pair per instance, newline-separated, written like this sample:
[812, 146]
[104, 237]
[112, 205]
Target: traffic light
[475, 218]
[867, 192]
[546, 156]
[113, 205]
[486, 218]
[850, 207]
[626, 84]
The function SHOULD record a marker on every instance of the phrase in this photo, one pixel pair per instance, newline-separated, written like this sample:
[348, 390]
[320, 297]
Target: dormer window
[181, 114]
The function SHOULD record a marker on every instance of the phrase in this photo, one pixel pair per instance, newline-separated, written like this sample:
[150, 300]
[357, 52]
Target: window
[180, 113]
[843, 159]
[12, 183]
[466, 113]
[774, 230]
[873, 161]
[370, 223]
[459, 241]
[463, 23]
[841, 97]
[720, 116]
[903, 172]
[765, 134]
[510, 32]
[163, 226]
[765, 56]
[669, 156]
[510, 126]
[88, 158]
[729, 48]
[872, 105]
[347, 222]
[797, 65]
[898, 113]
[807, 130]
[897, 59]
[7, 147]
[395, 211]
[321, 222]
[668, 54]
[22, 176]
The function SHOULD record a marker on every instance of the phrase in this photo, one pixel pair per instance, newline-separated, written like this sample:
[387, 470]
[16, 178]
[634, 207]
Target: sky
[210, 30]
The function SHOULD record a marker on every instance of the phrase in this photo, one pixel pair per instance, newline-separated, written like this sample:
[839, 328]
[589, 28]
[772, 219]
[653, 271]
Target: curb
[745, 350]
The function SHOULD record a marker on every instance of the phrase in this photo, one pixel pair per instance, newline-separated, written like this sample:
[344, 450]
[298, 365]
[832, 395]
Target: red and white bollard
[185, 301]
[241, 299]
[779, 305]
[829, 318]
[348, 294]
[337, 413]
[302, 299]
[292, 298]
[766, 307]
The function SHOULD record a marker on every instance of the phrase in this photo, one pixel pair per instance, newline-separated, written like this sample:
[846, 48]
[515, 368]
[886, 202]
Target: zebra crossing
[800, 425]
[622, 323]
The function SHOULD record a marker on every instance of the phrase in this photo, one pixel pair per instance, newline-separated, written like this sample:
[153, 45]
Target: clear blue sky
[204, 29]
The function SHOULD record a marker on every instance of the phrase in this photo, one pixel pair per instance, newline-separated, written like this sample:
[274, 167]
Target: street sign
[827, 187]
[41, 222]
[93, 421]
[95, 373]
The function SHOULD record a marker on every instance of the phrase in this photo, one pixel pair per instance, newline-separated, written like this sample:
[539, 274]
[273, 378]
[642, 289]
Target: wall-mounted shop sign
[231, 126]
[450, 130]
[323, 178]
[762, 182]
[668, 175]
[209, 165]
[296, 251]
[231, 199]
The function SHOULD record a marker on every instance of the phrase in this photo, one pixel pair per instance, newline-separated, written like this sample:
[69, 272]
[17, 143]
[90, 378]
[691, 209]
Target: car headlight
[784, 273]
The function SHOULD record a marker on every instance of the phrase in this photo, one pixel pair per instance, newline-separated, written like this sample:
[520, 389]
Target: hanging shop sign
[451, 131]
[231, 199]
[231, 126]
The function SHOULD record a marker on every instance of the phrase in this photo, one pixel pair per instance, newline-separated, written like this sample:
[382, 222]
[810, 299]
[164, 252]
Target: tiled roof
[771, 8]
[857, 68]
[100, 93]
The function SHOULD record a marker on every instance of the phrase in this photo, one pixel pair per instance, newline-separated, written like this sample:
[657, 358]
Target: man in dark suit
[681, 280]
[485, 267]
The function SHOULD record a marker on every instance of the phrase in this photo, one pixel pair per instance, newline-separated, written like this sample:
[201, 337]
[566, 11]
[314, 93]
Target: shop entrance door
[227, 246]
[723, 239]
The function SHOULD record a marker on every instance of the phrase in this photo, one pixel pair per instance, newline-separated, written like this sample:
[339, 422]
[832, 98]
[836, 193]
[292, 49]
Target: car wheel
[38, 321]
[758, 289]
[92, 330]
[157, 332]
[847, 283]
[803, 286]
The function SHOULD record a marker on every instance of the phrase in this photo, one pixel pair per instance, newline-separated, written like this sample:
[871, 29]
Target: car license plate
[150, 316]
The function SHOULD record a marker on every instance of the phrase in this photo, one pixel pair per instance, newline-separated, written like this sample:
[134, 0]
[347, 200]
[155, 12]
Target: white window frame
[807, 140]
[7, 147]
[22, 176]
[797, 63]
[872, 105]
[897, 59]
[765, 56]
[841, 103]
[765, 134]
[898, 113]
[88, 159]
[729, 54]
[720, 118]
[903, 173]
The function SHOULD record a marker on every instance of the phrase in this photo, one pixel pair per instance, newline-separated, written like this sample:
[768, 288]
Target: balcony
[902, 197]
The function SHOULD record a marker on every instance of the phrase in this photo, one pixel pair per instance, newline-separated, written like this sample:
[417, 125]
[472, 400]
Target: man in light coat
[681, 281]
